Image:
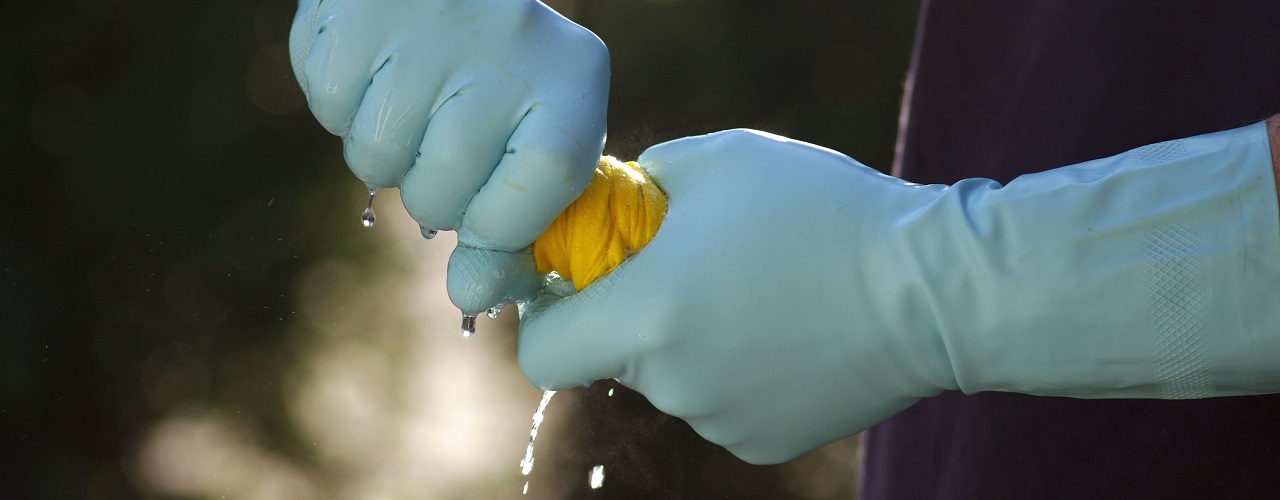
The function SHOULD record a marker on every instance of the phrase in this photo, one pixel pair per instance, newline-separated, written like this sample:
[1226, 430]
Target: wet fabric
[615, 217]
[1004, 88]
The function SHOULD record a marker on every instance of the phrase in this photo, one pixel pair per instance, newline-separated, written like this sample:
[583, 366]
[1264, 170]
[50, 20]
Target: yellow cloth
[615, 217]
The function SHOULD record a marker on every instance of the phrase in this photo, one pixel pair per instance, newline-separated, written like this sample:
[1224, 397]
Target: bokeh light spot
[270, 81]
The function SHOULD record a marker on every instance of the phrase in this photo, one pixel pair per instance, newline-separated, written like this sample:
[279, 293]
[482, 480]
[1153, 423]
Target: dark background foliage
[165, 191]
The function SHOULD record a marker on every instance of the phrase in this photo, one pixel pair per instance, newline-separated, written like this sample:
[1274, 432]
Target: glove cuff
[1148, 274]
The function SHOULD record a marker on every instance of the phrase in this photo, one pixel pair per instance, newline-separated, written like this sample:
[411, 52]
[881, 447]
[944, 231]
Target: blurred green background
[189, 307]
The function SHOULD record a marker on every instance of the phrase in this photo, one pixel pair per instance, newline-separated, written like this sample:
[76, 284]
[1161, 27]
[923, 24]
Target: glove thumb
[592, 335]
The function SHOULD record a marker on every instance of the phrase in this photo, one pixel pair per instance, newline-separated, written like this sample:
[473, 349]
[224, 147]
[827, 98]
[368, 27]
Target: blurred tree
[162, 188]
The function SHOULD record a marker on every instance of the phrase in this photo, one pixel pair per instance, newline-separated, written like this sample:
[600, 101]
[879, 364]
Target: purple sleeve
[1003, 88]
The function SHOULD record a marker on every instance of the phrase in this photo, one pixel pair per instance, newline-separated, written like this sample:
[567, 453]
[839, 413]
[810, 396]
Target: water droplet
[367, 217]
[596, 478]
[468, 325]
[428, 233]
[557, 285]
[642, 336]
[526, 465]
[493, 312]
[610, 392]
[498, 273]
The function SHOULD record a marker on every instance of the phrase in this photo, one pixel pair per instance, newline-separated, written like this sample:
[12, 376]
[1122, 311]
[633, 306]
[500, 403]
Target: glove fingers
[302, 36]
[389, 124]
[479, 279]
[679, 165]
[673, 164]
[462, 146]
[548, 162]
[337, 75]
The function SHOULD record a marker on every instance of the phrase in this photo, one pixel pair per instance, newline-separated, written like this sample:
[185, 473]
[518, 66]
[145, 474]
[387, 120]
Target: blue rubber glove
[793, 296]
[488, 115]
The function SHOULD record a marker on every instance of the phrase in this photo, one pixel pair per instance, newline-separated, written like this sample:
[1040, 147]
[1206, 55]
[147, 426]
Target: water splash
[556, 284]
[367, 217]
[526, 465]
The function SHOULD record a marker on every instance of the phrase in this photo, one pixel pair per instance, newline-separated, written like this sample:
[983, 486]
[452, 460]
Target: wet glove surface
[793, 297]
[488, 115]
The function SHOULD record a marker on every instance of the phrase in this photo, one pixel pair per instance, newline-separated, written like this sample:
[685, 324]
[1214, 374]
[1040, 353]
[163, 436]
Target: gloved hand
[489, 116]
[793, 296]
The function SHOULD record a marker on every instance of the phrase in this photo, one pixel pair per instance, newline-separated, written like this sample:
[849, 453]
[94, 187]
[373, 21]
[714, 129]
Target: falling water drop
[468, 325]
[367, 217]
[610, 392]
[493, 312]
[526, 465]
[596, 478]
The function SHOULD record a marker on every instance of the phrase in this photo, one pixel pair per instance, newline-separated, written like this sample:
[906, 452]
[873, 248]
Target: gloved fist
[792, 296]
[758, 311]
[488, 115]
